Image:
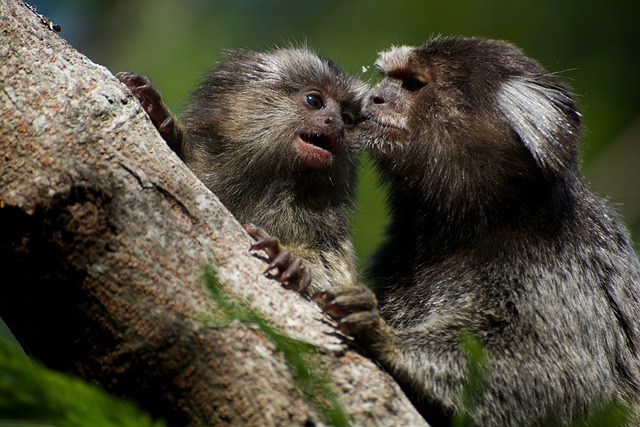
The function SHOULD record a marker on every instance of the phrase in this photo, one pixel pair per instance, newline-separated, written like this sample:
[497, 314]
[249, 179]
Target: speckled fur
[493, 232]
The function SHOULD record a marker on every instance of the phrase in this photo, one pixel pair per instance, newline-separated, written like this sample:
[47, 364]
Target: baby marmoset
[493, 232]
[273, 135]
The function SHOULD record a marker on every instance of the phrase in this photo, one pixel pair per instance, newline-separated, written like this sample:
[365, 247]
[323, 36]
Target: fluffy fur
[273, 135]
[239, 140]
[492, 232]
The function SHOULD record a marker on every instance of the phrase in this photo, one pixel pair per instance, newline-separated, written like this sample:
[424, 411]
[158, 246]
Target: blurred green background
[595, 47]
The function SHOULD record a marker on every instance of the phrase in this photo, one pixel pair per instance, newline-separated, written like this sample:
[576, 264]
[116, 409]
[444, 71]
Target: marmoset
[273, 135]
[492, 233]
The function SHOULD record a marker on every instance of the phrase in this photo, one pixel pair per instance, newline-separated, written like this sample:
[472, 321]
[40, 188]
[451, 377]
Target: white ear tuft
[540, 116]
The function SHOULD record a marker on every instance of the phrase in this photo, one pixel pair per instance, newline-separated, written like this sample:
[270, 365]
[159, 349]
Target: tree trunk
[104, 236]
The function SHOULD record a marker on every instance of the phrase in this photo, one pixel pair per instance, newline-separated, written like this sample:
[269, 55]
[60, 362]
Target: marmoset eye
[413, 85]
[314, 101]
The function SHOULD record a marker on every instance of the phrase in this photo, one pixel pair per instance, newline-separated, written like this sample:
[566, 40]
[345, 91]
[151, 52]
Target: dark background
[593, 45]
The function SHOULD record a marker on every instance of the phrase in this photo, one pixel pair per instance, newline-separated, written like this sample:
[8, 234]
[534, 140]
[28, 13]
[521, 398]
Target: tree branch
[105, 234]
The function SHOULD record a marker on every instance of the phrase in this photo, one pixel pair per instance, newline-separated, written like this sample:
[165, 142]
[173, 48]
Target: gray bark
[104, 234]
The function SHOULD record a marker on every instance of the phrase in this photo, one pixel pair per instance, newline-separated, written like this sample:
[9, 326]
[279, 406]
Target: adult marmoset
[273, 135]
[493, 233]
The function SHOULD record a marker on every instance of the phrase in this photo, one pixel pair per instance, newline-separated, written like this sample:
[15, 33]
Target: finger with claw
[152, 103]
[356, 310]
[289, 267]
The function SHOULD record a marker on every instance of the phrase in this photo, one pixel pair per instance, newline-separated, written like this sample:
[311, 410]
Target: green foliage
[613, 414]
[302, 358]
[30, 392]
[476, 379]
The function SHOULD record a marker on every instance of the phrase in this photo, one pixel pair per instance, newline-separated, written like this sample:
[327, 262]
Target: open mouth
[316, 149]
[319, 140]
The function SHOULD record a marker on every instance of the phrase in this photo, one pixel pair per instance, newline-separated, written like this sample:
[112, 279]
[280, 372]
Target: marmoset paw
[151, 102]
[356, 310]
[289, 267]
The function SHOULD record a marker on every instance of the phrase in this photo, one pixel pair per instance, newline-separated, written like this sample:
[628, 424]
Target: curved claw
[270, 245]
[305, 280]
[281, 262]
[356, 311]
[342, 304]
[152, 103]
[256, 232]
[289, 267]
[292, 271]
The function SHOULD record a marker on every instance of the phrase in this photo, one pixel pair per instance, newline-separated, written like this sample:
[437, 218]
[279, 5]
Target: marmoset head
[469, 114]
[286, 111]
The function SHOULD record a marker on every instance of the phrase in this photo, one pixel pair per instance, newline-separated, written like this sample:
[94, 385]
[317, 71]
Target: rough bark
[103, 237]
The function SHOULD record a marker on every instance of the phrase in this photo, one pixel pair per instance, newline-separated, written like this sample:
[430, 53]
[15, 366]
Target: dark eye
[413, 85]
[348, 118]
[314, 101]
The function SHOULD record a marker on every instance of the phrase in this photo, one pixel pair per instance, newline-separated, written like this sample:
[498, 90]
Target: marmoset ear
[545, 120]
